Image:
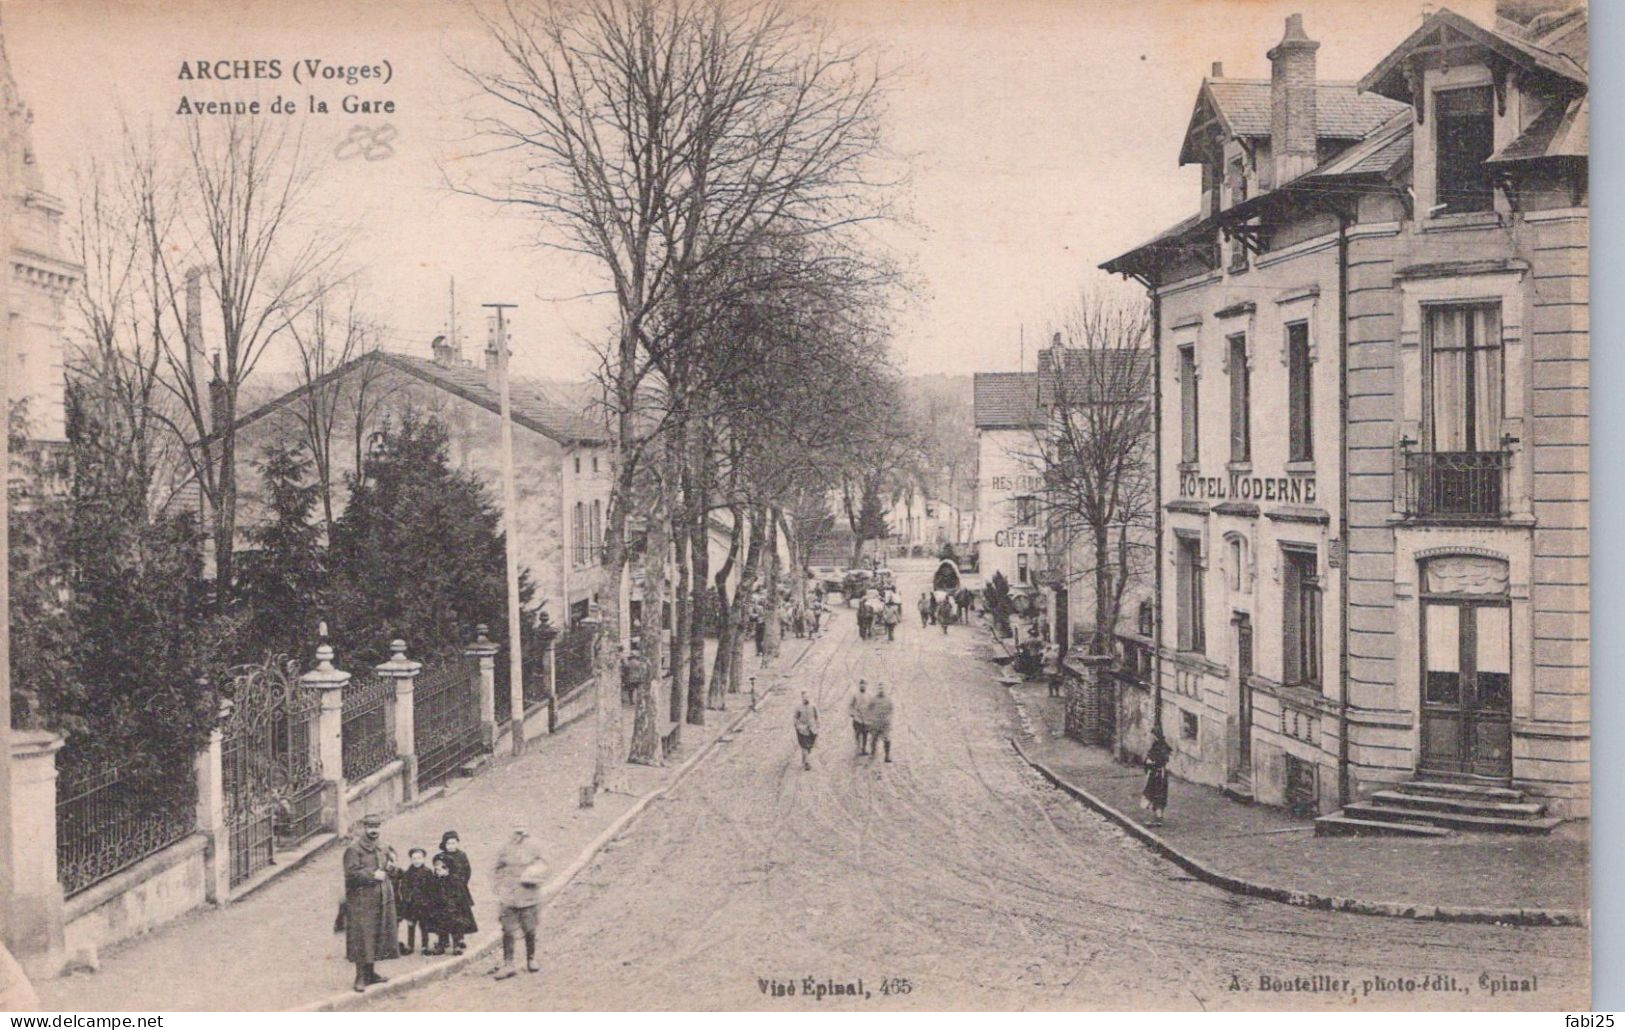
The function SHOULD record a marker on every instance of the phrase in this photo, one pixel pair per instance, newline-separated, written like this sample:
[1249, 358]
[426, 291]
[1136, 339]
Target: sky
[1040, 138]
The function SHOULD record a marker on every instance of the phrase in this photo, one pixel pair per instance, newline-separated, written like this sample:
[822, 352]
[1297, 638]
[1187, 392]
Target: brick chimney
[1292, 102]
[193, 332]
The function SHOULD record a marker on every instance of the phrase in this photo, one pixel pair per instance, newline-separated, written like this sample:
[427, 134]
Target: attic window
[1464, 123]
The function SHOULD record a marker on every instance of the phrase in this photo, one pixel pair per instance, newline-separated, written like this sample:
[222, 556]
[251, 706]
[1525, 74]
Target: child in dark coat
[414, 891]
[453, 901]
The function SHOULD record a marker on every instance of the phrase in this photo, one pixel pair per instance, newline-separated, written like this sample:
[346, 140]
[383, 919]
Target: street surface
[957, 872]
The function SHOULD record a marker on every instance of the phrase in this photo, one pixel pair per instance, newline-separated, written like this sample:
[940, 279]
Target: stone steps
[1340, 825]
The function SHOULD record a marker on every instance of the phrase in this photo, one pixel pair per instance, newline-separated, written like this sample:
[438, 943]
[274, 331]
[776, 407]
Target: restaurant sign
[1237, 487]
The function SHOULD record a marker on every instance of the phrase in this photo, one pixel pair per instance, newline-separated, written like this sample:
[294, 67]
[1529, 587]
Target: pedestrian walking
[864, 616]
[945, 614]
[518, 880]
[806, 724]
[892, 615]
[414, 889]
[370, 925]
[1156, 776]
[925, 609]
[859, 708]
[880, 719]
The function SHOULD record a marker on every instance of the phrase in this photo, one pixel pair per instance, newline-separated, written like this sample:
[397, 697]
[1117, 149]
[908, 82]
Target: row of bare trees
[718, 164]
[200, 260]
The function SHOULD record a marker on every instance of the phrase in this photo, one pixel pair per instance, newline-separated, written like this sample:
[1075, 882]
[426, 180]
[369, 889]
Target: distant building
[1373, 356]
[1007, 531]
[562, 459]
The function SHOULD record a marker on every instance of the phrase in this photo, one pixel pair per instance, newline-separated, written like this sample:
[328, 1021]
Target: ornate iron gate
[270, 764]
[446, 718]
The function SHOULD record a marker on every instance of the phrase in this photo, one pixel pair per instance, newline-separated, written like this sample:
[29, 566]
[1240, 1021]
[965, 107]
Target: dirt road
[957, 872]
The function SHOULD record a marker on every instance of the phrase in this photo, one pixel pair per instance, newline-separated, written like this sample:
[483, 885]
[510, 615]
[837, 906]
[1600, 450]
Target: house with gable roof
[1372, 347]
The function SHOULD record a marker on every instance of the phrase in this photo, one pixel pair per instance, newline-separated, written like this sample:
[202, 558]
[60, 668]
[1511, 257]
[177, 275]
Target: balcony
[1464, 486]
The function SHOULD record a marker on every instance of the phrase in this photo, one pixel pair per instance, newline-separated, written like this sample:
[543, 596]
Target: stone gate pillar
[404, 672]
[484, 649]
[36, 906]
[329, 684]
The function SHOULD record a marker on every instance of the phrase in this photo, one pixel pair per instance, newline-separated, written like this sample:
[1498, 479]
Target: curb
[341, 1001]
[1307, 899]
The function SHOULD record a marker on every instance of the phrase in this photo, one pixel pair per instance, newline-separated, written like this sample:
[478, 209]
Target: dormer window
[1464, 121]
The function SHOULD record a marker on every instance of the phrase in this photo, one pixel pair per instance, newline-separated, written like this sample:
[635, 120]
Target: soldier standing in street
[859, 707]
[369, 904]
[806, 724]
[880, 714]
[518, 881]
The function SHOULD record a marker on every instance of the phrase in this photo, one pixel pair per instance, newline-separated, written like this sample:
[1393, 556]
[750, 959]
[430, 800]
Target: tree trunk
[749, 578]
[701, 607]
[772, 638]
[609, 772]
[645, 749]
[725, 615]
[680, 602]
[677, 462]
[1102, 638]
[225, 513]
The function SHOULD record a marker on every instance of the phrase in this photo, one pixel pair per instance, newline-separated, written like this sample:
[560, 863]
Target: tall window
[1026, 511]
[1300, 430]
[1240, 402]
[1021, 568]
[1464, 124]
[1464, 378]
[1300, 616]
[596, 528]
[1188, 586]
[578, 533]
[1188, 450]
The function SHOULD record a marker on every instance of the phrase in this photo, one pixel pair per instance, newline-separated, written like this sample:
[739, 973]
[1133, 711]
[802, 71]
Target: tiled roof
[1093, 374]
[1341, 111]
[1007, 400]
[1562, 130]
[1388, 77]
[532, 408]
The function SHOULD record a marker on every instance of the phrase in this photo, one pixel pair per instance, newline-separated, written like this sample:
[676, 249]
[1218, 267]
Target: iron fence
[271, 767]
[110, 816]
[368, 737]
[573, 657]
[446, 706]
[1456, 484]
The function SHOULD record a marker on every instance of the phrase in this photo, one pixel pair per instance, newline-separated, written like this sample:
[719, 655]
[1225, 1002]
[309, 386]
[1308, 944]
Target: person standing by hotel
[1156, 776]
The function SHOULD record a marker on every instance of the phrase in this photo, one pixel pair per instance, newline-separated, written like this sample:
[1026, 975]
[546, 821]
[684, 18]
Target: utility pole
[510, 532]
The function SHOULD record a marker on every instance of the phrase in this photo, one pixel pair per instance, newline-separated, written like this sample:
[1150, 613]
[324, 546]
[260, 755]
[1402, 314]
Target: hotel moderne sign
[1238, 487]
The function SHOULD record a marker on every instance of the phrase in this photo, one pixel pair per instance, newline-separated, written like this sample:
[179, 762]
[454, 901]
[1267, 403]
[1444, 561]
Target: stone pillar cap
[399, 666]
[325, 676]
[483, 646]
[35, 742]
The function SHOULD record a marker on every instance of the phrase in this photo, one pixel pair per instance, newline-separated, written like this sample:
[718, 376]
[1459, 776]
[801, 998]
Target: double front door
[1467, 687]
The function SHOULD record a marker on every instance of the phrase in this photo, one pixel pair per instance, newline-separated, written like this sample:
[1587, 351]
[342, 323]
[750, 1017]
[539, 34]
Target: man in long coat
[518, 885]
[369, 904]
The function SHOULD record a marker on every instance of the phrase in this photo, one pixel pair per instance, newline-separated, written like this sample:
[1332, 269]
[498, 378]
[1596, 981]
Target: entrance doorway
[1244, 697]
[1466, 636]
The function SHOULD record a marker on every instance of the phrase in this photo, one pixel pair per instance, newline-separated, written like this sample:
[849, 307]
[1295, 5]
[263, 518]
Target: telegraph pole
[510, 531]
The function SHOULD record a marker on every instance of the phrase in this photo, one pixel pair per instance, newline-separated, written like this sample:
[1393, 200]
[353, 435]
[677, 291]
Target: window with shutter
[1240, 402]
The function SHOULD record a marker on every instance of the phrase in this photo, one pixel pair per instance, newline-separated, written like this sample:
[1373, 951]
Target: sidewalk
[275, 949]
[1263, 845]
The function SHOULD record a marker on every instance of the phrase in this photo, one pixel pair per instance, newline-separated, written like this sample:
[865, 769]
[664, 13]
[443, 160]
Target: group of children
[433, 898]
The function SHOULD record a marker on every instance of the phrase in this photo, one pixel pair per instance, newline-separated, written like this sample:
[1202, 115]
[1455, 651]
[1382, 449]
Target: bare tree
[230, 207]
[1095, 449]
[327, 342]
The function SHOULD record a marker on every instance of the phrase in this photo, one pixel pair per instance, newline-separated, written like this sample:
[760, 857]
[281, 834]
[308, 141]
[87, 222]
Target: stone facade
[555, 471]
[1427, 529]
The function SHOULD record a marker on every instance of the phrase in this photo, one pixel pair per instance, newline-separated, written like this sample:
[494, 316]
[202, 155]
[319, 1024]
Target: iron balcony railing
[1456, 484]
